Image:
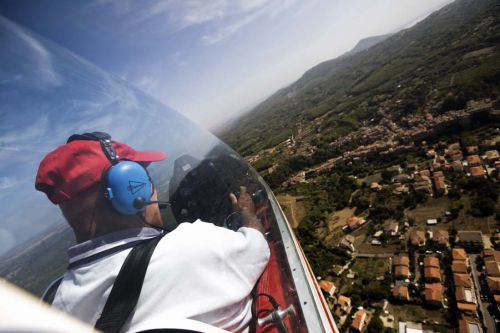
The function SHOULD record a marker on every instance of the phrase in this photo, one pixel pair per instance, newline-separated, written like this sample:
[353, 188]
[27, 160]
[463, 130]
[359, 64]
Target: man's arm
[245, 206]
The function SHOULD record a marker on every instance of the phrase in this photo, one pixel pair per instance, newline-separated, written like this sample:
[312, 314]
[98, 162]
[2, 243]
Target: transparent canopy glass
[48, 93]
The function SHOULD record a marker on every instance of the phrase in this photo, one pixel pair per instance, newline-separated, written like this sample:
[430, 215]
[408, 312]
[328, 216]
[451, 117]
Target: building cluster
[389, 137]
[492, 275]
[341, 306]
[425, 281]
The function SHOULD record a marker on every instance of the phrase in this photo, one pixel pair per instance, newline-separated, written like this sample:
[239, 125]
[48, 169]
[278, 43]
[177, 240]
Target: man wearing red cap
[200, 276]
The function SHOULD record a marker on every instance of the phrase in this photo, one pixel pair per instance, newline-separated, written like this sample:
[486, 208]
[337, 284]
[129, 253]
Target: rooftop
[401, 292]
[468, 307]
[402, 272]
[462, 280]
[344, 301]
[401, 260]
[492, 268]
[359, 320]
[470, 236]
[493, 283]
[469, 325]
[458, 254]
[431, 262]
[432, 273]
[327, 286]
[433, 292]
[473, 160]
[464, 295]
[459, 266]
[441, 236]
[417, 237]
[477, 171]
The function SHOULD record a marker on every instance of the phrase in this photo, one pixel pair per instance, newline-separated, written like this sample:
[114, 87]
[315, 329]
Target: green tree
[375, 325]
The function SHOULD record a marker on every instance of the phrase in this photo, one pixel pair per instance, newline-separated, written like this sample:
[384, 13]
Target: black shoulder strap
[50, 293]
[127, 288]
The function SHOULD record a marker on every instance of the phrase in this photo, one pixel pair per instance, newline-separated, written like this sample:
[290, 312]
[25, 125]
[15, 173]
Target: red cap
[78, 165]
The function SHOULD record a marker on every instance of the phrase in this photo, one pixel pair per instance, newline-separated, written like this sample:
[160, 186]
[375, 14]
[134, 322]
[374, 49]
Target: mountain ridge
[349, 89]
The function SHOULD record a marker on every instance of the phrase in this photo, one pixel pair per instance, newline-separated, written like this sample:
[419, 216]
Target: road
[372, 255]
[488, 320]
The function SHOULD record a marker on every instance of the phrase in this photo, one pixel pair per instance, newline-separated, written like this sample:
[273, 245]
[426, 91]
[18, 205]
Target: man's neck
[104, 227]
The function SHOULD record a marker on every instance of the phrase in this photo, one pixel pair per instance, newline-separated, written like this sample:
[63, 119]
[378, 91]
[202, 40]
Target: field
[332, 233]
[436, 207]
[432, 209]
[417, 313]
[371, 267]
[293, 209]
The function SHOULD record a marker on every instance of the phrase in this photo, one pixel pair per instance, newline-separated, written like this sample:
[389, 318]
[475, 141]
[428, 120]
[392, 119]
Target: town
[434, 266]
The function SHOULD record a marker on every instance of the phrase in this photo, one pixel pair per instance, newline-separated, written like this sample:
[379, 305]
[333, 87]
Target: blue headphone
[126, 184]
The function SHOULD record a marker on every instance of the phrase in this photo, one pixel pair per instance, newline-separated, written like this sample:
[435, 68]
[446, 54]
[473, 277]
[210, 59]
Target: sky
[212, 59]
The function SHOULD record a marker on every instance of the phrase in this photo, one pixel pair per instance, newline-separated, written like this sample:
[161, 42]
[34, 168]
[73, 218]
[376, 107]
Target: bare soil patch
[293, 208]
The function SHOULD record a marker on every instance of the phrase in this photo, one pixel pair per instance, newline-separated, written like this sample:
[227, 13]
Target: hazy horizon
[211, 61]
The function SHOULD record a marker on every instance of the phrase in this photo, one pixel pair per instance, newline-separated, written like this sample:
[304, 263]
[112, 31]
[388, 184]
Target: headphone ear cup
[124, 183]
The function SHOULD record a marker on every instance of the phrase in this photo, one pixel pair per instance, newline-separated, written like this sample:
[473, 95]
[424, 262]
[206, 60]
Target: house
[436, 166]
[328, 287]
[457, 166]
[402, 178]
[344, 304]
[465, 295]
[441, 238]
[473, 160]
[395, 168]
[411, 327]
[453, 146]
[493, 284]
[440, 187]
[459, 266]
[455, 156]
[471, 241]
[399, 190]
[492, 268]
[401, 260]
[491, 255]
[401, 272]
[469, 325]
[359, 322]
[471, 150]
[422, 184]
[492, 156]
[459, 254]
[430, 261]
[347, 243]
[425, 173]
[431, 153]
[462, 280]
[433, 293]
[355, 222]
[391, 228]
[432, 274]
[417, 238]
[400, 292]
[467, 308]
[477, 172]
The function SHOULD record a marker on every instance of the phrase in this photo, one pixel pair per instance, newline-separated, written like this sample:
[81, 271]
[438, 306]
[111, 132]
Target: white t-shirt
[198, 273]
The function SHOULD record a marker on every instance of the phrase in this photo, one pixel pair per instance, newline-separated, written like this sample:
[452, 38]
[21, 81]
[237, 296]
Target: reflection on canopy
[47, 93]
